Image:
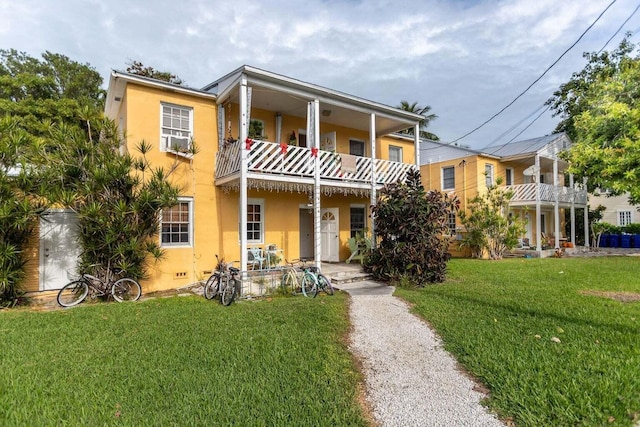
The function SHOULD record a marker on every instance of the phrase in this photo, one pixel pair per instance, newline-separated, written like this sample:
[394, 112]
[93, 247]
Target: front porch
[282, 163]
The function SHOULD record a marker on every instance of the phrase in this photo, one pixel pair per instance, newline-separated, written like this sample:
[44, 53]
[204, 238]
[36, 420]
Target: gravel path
[410, 379]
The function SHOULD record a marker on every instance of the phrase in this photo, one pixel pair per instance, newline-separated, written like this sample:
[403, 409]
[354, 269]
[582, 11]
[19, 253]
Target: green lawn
[499, 318]
[180, 361]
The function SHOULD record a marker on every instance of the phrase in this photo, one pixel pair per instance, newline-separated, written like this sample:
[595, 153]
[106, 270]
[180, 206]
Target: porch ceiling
[287, 96]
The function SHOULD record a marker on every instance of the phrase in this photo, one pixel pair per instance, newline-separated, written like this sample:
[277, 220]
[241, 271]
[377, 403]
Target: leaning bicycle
[311, 283]
[223, 282]
[123, 289]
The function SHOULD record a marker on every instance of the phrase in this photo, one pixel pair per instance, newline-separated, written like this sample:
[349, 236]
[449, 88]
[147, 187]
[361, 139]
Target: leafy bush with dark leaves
[412, 233]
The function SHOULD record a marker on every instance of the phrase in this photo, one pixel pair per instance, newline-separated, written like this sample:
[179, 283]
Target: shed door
[59, 249]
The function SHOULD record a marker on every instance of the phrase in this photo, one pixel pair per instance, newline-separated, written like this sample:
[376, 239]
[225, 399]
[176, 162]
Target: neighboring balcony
[525, 194]
[279, 162]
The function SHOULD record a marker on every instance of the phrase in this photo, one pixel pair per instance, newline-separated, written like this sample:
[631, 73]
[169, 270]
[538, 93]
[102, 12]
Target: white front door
[329, 234]
[59, 249]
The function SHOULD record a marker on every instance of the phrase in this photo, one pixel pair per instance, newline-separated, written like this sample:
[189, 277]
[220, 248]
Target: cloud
[467, 59]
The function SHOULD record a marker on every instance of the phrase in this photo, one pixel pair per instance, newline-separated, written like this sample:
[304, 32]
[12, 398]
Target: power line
[536, 80]
[620, 28]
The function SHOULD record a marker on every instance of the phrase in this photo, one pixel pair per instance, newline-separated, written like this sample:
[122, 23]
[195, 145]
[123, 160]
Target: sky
[465, 59]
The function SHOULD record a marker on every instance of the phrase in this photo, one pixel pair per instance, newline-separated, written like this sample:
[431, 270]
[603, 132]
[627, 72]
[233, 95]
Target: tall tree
[424, 123]
[137, 67]
[573, 97]
[54, 89]
[607, 132]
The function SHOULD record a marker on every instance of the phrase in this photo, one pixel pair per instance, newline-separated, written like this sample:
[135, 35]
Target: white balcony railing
[527, 193]
[273, 159]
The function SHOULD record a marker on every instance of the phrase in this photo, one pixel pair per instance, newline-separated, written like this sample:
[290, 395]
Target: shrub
[489, 226]
[412, 233]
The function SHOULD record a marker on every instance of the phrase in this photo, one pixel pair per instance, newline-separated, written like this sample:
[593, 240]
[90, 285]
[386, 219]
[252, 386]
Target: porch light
[326, 113]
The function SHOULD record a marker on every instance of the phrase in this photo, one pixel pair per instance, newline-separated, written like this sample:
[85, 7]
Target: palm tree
[424, 123]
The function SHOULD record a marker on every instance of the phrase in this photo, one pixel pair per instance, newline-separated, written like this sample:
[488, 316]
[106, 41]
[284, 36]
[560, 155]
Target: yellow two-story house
[531, 169]
[279, 163]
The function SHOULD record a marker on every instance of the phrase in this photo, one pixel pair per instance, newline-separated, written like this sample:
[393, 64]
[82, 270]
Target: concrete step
[348, 277]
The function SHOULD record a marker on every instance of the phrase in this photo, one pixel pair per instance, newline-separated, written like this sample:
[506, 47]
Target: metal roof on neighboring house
[527, 147]
[432, 151]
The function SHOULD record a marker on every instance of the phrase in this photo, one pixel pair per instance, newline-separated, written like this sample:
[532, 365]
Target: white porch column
[556, 207]
[538, 220]
[573, 210]
[586, 214]
[278, 128]
[243, 173]
[374, 195]
[313, 131]
[416, 142]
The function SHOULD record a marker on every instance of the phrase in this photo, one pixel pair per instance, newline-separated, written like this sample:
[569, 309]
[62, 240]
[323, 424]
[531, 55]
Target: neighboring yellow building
[531, 169]
[304, 181]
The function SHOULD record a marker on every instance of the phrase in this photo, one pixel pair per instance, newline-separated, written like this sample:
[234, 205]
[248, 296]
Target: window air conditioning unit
[177, 143]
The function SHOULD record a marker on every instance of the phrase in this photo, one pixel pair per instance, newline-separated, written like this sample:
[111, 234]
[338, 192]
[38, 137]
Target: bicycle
[312, 280]
[223, 282]
[124, 289]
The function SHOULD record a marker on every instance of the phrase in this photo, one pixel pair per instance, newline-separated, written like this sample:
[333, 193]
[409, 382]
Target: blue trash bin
[625, 240]
[614, 240]
[636, 240]
[604, 241]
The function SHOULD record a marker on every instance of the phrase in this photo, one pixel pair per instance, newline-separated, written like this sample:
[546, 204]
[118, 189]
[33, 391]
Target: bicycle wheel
[325, 284]
[212, 287]
[126, 290]
[228, 292]
[289, 283]
[73, 293]
[309, 285]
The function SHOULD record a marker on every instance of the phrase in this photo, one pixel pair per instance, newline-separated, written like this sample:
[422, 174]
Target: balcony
[271, 161]
[524, 194]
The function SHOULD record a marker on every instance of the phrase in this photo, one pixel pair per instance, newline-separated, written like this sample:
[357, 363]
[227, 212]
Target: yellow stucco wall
[140, 115]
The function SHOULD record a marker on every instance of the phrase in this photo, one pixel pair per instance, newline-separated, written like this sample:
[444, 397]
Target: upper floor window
[624, 218]
[177, 128]
[395, 153]
[176, 224]
[356, 148]
[488, 172]
[256, 129]
[508, 176]
[449, 178]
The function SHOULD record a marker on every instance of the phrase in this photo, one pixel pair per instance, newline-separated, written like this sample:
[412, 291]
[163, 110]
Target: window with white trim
[176, 128]
[176, 224]
[255, 220]
[452, 223]
[395, 153]
[624, 218]
[508, 176]
[449, 178]
[357, 219]
[256, 129]
[488, 172]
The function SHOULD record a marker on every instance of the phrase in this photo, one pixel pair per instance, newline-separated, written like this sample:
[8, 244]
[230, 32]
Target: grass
[499, 319]
[180, 361]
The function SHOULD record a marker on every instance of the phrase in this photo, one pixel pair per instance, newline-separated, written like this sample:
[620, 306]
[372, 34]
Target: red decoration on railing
[283, 148]
[314, 152]
[248, 143]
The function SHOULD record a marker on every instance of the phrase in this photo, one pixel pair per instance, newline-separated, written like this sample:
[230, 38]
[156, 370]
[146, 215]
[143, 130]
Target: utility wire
[536, 80]
[546, 109]
[620, 28]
